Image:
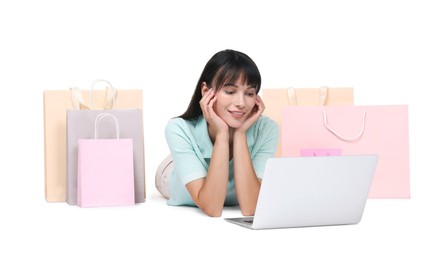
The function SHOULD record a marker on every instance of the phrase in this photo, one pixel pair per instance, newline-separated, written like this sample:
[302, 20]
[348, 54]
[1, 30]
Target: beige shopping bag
[55, 105]
[275, 99]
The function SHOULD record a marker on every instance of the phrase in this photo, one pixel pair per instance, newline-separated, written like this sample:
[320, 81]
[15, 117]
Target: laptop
[312, 191]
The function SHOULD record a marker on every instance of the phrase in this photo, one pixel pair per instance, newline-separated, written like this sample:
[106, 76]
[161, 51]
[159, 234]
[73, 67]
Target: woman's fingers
[205, 100]
[254, 116]
[260, 105]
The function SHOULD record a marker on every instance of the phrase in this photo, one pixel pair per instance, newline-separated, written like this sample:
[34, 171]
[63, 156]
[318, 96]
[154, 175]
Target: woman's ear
[204, 88]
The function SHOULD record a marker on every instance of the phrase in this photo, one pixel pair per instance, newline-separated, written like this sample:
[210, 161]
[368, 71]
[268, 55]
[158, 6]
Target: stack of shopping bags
[94, 151]
[325, 122]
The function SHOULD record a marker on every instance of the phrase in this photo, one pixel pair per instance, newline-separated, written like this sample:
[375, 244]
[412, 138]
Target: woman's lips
[237, 114]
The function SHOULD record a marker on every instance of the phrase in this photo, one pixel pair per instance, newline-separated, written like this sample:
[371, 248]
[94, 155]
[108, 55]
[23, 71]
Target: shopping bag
[276, 99]
[381, 130]
[105, 169]
[80, 125]
[55, 103]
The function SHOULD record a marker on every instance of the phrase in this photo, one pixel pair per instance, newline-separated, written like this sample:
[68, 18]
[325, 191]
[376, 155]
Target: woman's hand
[214, 121]
[253, 116]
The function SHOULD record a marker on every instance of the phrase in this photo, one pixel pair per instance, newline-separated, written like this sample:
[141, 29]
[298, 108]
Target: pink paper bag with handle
[381, 130]
[105, 170]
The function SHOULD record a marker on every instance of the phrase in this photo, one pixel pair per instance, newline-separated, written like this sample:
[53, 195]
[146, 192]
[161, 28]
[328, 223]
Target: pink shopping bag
[105, 170]
[381, 130]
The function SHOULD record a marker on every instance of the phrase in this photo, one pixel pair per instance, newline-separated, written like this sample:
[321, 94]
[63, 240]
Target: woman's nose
[240, 101]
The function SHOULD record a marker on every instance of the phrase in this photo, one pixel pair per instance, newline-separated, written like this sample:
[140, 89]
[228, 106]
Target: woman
[221, 143]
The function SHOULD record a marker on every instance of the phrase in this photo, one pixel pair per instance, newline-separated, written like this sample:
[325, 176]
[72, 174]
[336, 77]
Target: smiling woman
[221, 143]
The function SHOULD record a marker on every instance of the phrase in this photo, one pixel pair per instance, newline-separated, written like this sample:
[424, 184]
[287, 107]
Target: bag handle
[98, 120]
[292, 98]
[110, 93]
[78, 100]
[341, 137]
[323, 96]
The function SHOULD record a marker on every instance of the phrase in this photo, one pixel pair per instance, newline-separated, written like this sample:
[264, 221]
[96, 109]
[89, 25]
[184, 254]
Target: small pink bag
[105, 170]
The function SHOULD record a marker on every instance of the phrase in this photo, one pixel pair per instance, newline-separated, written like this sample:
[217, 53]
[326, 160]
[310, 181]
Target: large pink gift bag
[381, 130]
[105, 170]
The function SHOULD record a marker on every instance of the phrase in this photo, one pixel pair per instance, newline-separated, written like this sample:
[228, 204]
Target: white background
[389, 51]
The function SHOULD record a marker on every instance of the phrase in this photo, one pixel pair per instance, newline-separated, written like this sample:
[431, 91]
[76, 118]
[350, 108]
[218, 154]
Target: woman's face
[235, 102]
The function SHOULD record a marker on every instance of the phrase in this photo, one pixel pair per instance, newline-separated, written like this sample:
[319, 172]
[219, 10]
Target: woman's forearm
[247, 183]
[211, 197]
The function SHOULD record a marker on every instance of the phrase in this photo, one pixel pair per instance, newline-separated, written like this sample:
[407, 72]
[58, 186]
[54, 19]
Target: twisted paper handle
[98, 120]
[78, 100]
[345, 138]
[292, 97]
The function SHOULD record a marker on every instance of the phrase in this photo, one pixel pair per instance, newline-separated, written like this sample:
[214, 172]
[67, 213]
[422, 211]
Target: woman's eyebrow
[231, 85]
[236, 86]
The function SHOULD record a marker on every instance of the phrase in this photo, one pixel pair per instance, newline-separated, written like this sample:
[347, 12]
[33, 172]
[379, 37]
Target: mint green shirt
[191, 149]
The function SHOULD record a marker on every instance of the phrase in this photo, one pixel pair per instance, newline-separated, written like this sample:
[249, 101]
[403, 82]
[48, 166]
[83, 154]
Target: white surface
[388, 50]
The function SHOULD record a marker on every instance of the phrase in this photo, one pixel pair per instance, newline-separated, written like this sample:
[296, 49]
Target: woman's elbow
[212, 211]
[248, 210]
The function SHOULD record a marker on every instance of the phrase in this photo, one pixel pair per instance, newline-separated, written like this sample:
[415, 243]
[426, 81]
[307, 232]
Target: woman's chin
[234, 122]
[235, 125]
